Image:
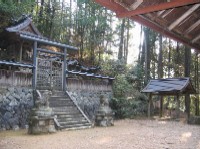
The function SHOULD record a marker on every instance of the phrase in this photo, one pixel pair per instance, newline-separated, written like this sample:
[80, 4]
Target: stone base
[104, 120]
[41, 125]
[41, 121]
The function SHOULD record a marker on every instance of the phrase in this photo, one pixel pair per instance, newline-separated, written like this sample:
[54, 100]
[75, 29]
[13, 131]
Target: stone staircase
[69, 115]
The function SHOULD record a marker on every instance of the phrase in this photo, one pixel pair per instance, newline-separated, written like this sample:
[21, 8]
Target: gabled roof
[25, 29]
[170, 86]
[176, 19]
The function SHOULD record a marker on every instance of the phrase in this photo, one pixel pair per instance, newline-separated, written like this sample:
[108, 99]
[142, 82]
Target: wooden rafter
[136, 4]
[185, 15]
[160, 12]
[153, 8]
[160, 29]
[129, 7]
[191, 28]
[167, 12]
[196, 39]
[110, 4]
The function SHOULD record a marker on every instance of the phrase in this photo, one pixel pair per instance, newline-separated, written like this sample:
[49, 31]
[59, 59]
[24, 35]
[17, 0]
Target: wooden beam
[142, 20]
[167, 13]
[191, 28]
[136, 4]
[196, 39]
[131, 7]
[185, 15]
[153, 8]
[160, 12]
[110, 4]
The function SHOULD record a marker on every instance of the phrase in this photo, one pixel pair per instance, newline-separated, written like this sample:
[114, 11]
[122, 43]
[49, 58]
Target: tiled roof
[169, 86]
[89, 74]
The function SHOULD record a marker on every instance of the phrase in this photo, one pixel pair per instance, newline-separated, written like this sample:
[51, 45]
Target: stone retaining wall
[89, 102]
[15, 106]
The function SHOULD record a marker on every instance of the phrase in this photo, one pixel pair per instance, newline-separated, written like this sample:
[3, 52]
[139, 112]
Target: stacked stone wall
[15, 106]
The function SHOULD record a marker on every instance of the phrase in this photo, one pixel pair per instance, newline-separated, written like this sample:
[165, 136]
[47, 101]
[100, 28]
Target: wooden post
[20, 52]
[149, 105]
[187, 105]
[34, 65]
[64, 69]
[177, 106]
[161, 105]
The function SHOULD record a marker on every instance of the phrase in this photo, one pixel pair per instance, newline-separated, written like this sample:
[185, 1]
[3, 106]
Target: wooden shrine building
[39, 62]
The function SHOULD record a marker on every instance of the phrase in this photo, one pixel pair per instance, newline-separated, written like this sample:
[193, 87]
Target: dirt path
[126, 134]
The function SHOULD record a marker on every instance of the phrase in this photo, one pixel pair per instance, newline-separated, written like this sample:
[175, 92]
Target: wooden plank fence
[88, 85]
[24, 79]
[15, 78]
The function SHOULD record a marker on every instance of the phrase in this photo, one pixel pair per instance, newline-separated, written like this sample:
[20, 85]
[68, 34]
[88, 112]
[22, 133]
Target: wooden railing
[88, 85]
[15, 78]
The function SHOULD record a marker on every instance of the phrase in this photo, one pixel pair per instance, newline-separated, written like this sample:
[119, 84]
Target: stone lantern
[42, 116]
[104, 116]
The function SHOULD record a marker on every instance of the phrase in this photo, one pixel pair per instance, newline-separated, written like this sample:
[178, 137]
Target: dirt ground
[126, 134]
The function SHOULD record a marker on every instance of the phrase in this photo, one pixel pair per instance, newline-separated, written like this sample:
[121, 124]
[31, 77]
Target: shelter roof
[177, 19]
[169, 86]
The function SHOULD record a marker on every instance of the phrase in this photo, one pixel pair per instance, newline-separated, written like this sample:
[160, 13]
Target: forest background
[106, 41]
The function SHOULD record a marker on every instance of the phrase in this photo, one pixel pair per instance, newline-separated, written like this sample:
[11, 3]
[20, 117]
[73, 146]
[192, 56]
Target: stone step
[58, 93]
[64, 109]
[62, 123]
[61, 104]
[76, 126]
[66, 113]
[56, 98]
[70, 116]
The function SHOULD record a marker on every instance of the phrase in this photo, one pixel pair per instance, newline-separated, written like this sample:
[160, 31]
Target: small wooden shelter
[169, 86]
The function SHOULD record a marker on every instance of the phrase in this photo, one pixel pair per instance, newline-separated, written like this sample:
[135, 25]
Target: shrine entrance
[49, 74]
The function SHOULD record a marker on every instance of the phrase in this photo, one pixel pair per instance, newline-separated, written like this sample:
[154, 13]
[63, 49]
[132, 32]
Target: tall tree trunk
[187, 74]
[177, 62]
[160, 71]
[197, 84]
[169, 59]
[120, 51]
[127, 41]
[140, 46]
[147, 56]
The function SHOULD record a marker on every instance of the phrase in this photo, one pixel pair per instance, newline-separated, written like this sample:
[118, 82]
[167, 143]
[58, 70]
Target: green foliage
[10, 10]
[121, 87]
[127, 101]
[136, 76]
[113, 68]
[130, 107]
